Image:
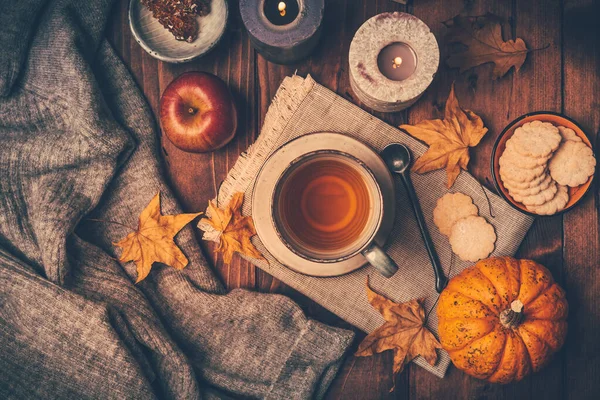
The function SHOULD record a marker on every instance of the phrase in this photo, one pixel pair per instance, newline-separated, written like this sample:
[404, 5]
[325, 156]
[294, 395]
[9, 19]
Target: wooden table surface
[564, 78]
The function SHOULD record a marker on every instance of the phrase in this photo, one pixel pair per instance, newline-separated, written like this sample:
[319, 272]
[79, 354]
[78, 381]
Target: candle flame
[397, 62]
[281, 7]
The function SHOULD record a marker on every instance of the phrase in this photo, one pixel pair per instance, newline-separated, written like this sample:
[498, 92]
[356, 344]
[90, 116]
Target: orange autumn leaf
[482, 37]
[404, 332]
[235, 229]
[153, 240]
[449, 139]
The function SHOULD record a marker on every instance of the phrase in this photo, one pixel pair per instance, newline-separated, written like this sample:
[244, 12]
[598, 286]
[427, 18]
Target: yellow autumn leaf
[236, 229]
[449, 139]
[153, 240]
[404, 332]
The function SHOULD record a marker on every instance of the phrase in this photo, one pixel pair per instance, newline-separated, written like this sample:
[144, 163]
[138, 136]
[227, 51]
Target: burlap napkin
[302, 106]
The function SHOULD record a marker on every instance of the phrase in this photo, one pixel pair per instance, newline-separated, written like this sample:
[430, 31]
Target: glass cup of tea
[328, 207]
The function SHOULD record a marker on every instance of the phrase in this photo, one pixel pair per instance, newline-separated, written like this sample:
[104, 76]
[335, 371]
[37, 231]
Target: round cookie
[572, 164]
[568, 134]
[450, 208]
[513, 173]
[558, 202]
[472, 238]
[513, 156]
[525, 185]
[536, 139]
[532, 190]
[537, 199]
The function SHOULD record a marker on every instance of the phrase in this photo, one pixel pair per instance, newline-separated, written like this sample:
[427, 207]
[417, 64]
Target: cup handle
[380, 260]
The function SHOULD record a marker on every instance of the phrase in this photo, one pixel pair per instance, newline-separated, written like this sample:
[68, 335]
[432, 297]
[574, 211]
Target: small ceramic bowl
[161, 44]
[575, 193]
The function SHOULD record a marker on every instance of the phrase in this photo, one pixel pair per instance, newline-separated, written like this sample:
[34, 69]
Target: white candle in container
[393, 59]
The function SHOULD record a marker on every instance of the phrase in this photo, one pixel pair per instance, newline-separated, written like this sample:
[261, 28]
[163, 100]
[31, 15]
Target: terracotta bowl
[575, 193]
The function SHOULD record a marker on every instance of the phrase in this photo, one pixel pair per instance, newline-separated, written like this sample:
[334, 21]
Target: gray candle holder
[366, 80]
[283, 44]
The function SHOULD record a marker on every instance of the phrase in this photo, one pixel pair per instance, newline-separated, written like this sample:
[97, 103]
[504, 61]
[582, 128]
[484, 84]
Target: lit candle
[281, 12]
[283, 31]
[393, 59]
[397, 61]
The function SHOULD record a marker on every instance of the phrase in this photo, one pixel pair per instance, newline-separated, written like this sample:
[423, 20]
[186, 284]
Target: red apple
[197, 112]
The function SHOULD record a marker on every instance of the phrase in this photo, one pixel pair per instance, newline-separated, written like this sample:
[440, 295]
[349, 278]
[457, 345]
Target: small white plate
[161, 44]
[274, 167]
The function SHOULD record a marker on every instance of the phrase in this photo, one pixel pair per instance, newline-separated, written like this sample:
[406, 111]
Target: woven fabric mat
[302, 106]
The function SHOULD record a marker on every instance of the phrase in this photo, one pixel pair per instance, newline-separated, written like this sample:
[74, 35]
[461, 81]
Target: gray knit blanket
[78, 142]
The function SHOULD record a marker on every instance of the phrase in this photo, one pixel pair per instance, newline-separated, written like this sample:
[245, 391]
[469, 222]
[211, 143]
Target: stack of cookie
[539, 164]
[472, 238]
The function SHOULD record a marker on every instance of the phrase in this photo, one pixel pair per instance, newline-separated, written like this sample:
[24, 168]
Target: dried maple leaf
[153, 240]
[235, 229]
[483, 38]
[448, 139]
[404, 332]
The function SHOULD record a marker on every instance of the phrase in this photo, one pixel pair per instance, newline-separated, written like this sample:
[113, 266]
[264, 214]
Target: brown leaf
[483, 38]
[448, 139]
[153, 240]
[236, 229]
[404, 332]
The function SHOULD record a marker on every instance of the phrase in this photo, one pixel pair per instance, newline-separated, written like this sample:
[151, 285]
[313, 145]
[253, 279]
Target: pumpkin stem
[512, 317]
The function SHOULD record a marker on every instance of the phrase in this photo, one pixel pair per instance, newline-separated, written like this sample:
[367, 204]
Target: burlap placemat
[302, 106]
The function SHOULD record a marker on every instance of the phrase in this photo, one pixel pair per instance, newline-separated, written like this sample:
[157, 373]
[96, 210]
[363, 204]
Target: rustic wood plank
[535, 87]
[539, 88]
[491, 100]
[365, 378]
[581, 46]
[196, 177]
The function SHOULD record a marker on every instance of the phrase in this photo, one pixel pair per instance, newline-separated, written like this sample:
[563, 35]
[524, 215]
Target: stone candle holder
[287, 43]
[369, 84]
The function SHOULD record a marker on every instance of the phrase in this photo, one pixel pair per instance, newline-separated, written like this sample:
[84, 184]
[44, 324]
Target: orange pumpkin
[502, 319]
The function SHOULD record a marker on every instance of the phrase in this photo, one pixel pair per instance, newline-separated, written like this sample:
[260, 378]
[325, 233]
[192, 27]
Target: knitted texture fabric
[80, 143]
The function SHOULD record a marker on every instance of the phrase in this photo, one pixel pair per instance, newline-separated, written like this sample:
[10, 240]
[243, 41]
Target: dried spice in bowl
[179, 16]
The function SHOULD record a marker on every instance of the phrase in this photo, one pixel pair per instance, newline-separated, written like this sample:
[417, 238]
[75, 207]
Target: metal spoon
[397, 158]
